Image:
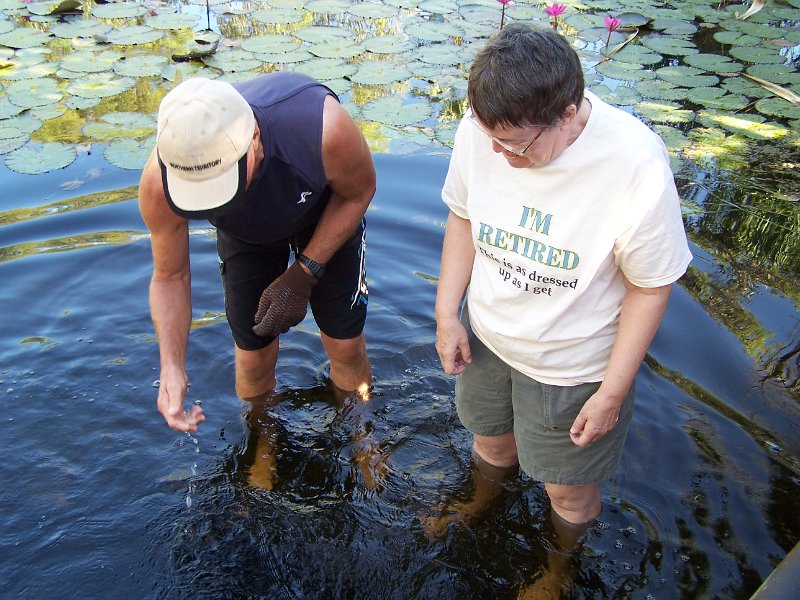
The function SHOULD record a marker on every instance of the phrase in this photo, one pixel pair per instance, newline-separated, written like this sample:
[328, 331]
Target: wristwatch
[318, 269]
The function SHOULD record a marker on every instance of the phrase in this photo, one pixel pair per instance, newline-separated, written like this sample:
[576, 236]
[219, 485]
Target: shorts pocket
[562, 404]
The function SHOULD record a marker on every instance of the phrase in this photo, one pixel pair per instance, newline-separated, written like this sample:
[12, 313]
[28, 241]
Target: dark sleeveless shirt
[291, 191]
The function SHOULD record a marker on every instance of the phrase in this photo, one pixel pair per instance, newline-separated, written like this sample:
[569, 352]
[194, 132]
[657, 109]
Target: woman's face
[526, 147]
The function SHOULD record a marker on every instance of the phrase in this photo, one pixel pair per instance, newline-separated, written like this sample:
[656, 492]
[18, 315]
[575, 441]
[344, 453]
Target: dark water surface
[100, 499]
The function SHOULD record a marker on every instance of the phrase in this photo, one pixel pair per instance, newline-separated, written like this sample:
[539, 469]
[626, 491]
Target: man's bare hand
[171, 394]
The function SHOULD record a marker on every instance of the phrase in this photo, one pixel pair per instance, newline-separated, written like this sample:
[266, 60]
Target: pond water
[100, 499]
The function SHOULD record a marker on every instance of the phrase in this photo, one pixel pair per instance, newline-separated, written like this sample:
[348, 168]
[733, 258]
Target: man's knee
[500, 450]
[255, 370]
[349, 351]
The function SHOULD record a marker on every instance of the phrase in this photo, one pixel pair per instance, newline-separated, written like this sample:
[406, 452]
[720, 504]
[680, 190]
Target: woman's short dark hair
[524, 77]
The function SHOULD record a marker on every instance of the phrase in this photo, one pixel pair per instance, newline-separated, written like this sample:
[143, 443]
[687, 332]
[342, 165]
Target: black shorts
[338, 301]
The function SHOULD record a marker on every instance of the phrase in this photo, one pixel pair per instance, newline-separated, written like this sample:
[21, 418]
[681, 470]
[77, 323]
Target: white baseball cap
[205, 128]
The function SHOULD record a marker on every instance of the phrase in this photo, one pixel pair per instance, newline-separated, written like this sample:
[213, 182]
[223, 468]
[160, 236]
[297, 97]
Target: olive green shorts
[493, 399]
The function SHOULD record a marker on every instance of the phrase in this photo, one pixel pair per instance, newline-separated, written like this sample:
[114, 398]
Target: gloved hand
[283, 304]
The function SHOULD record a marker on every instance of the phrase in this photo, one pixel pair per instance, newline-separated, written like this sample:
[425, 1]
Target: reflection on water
[306, 498]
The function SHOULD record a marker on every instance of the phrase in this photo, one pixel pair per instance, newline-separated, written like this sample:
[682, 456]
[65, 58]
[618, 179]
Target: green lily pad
[371, 10]
[33, 160]
[120, 125]
[27, 122]
[342, 48]
[673, 139]
[85, 28]
[233, 60]
[48, 111]
[438, 7]
[180, 71]
[778, 74]
[751, 28]
[620, 96]
[711, 99]
[442, 54]
[29, 93]
[173, 21]
[140, 65]
[118, 10]
[392, 111]
[757, 54]
[430, 31]
[736, 38]
[734, 123]
[327, 7]
[10, 144]
[134, 35]
[279, 16]
[326, 69]
[100, 85]
[87, 61]
[129, 154]
[271, 44]
[624, 71]
[380, 72]
[671, 46]
[713, 63]
[387, 44]
[745, 87]
[318, 34]
[78, 103]
[638, 55]
[778, 107]
[21, 71]
[339, 86]
[687, 76]
[24, 37]
[663, 112]
[285, 58]
[53, 7]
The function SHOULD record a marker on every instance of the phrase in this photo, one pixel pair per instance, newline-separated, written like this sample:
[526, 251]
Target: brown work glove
[283, 304]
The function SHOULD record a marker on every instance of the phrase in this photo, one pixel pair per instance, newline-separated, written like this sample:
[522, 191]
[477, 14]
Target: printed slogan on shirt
[532, 249]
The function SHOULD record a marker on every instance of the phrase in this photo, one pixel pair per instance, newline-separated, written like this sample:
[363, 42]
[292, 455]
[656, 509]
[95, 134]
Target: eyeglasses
[504, 145]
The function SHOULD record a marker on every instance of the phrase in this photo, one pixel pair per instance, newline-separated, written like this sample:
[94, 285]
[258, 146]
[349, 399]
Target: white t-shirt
[552, 242]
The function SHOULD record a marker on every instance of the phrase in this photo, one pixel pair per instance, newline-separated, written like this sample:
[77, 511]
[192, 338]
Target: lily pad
[78, 103]
[442, 54]
[671, 46]
[87, 61]
[380, 72]
[54, 7]
[173, 21]
[34, 160]
[279, 16]
[27, 123]
[664, 112]
[30, 93]
[325, 69]
[778, 107]
[342, 48]
[736, 38]
[140, 65]
[624, 71]
[100, 85]
[233, 60]
[285, 58]
[621, 95]
[129, 154]
[387, 44]
[371, 10]
[778, 74]
[119, 125]
[21, 71]
[638, 55]
[327, 7]
[85, 28]
[430, 31]
[180, 71]
[392, 111]
[24, 37]
[270, 44]
[318, 34]
[713, 63]
[134, 35]
[757, 54]
[687, 76]
[118, 10]
[12, 143]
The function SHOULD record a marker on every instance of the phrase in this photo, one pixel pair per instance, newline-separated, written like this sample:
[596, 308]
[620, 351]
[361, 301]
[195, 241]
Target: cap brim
[207, 198]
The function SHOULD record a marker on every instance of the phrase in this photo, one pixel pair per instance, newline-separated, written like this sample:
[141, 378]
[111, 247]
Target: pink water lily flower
[612, 23]
[555, 10]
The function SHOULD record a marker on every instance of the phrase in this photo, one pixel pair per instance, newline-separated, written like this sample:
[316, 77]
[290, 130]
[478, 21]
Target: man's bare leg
[255, 383]
[350, 368]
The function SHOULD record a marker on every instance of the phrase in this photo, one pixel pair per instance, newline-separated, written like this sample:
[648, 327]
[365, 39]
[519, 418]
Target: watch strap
[318, 269]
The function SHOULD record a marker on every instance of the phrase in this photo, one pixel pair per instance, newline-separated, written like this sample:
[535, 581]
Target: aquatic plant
[555, 10]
